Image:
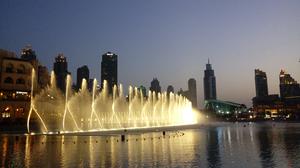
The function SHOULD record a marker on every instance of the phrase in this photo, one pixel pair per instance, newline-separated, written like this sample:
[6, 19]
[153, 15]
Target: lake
[218, 145]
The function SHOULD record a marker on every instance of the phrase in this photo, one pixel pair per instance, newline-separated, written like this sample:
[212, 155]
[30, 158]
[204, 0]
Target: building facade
[224, 109]
[143, 90]
[285, 106]
[261, 83]
[155, 87]
[43, 77]
[288, 85]
[170, 89]
[60, 68]
[209, 80]
[82, 73]
[192, 92]
[109, 70]
[15, 87]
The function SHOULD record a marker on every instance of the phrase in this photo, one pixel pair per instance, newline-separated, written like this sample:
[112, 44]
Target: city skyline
[237, 37]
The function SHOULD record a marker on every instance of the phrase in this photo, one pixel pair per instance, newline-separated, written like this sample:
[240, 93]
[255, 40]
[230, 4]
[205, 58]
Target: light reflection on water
[214, 145]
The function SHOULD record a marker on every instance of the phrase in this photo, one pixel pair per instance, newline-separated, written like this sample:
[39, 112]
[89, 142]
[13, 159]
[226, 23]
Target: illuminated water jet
[83, 111]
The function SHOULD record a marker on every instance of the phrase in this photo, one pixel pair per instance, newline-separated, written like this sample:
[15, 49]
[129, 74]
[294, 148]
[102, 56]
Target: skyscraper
[82, 73]
[170, 89]
[192, 92]
[155, 86]
[43, 76]
[143, 90]
[288, 85]
[209, 81]
[109, 70]
[29, 55]
[61, 71]
[261, 83]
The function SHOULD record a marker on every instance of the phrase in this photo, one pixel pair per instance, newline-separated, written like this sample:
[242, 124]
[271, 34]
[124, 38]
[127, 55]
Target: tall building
[155, 86]
[91, 84]
[143, 90]
[192, 92]
[209, 81]
[29, 55]
[170, 89]
[43, 77]
[61, 71]
[288, 85]
[109, 70]
[82, 73]
[261, 83]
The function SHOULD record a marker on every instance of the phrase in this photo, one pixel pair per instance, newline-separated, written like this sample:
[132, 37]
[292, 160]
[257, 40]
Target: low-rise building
[16, 83]
[15, 87]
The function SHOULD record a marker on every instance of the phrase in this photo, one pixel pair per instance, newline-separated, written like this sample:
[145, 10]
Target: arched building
[15, 86]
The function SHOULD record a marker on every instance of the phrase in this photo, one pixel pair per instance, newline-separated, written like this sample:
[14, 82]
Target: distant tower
[43, 76]
[82, 73]
[28, 54]
[109, 70]
[261, 83]
[61, 71]
[192, 92]
[170, 89]
[288, 85]
[143, 90]
[155, 86]
[209, 83]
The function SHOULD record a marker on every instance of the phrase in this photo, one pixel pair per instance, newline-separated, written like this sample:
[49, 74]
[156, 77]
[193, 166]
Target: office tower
[43, 76]
[109, 70]
[143, 90]
[261, 83]
[155, 86]
[209, 83]
[61, 71]
[82, 73]
[288, 85]
[170, 89]
[192, 92]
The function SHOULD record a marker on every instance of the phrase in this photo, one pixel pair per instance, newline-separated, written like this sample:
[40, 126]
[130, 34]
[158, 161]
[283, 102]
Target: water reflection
[223, 145]
[292, 146]
[264, 137]
[213, 153]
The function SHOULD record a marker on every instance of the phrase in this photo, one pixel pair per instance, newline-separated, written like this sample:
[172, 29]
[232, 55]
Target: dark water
[216, 145]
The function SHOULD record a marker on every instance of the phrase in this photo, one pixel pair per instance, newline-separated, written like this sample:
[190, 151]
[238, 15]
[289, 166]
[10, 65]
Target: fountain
[86, 111]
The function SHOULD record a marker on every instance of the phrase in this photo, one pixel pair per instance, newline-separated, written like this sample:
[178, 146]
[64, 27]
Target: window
[20, 81]
[8, 80]
[6, 113]
[21, 69]
[9, 68]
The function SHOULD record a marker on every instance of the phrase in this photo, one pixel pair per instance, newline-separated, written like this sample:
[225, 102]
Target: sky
[167, 39]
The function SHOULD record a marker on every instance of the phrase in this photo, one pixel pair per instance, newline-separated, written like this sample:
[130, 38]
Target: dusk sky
[167, 39]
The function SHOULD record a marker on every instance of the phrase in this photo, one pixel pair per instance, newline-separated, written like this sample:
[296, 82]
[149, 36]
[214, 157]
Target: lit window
[5, 115]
